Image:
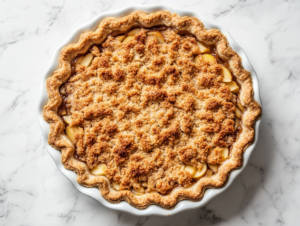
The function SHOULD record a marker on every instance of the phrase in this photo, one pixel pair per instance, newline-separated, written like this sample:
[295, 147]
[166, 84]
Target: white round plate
[94, 192]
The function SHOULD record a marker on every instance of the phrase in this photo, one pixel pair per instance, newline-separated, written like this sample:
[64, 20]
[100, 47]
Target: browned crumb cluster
[146, 109]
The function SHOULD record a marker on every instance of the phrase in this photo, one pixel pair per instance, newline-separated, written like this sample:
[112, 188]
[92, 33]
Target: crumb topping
[147, 109]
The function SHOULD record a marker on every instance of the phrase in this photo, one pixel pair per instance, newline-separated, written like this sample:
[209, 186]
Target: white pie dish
[94, 192]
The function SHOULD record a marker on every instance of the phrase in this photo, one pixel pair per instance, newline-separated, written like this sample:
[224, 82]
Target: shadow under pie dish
[151, 109]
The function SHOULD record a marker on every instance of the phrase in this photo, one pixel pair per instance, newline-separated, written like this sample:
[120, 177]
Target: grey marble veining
[33, 191]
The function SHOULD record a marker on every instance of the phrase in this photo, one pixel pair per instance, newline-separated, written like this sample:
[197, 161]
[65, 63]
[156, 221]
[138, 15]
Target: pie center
[151, 110]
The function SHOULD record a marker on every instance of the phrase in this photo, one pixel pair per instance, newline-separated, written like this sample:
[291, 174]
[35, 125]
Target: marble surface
[34, 192]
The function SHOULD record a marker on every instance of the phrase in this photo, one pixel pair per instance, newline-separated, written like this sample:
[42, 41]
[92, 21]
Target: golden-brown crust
[216, 114]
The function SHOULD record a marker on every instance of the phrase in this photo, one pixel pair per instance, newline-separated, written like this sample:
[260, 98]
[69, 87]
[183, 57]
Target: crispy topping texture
[146, 108]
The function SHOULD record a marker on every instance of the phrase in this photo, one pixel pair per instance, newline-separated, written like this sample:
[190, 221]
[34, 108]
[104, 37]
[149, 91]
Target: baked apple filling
[151, 110]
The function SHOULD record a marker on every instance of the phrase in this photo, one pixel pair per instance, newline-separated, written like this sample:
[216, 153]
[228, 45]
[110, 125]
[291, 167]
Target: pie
[151, 109]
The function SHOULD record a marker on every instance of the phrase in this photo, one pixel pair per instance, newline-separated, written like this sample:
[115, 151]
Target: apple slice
[62, 112]
[128, 38]
[77, 61]
[238, 112]
[158, 36]
[227, 77]
[87, 60]
[115, 185]
[139, 191]
[203, 49]
[240, 106]
[190, 169]
[67, 119]
[213, 167]
[225, 153]
[134, 32]
[145, 184]
[234, 88]
[209, 58]
[236, 124]
[200, 173]
[62, 89]
[120, 38]
[99, 170]
[71, 132]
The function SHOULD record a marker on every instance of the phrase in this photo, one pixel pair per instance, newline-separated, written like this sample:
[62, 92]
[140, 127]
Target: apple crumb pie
[151, 109]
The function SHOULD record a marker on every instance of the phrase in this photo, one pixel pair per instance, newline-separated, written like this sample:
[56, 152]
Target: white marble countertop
[34, 192]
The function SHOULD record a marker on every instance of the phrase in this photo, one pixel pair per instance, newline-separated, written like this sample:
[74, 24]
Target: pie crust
[58, 139]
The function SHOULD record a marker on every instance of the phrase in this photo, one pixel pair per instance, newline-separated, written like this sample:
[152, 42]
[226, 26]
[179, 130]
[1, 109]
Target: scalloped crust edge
[59, 141]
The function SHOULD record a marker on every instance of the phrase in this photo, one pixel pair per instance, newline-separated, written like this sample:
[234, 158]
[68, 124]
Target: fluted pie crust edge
[59, 141]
